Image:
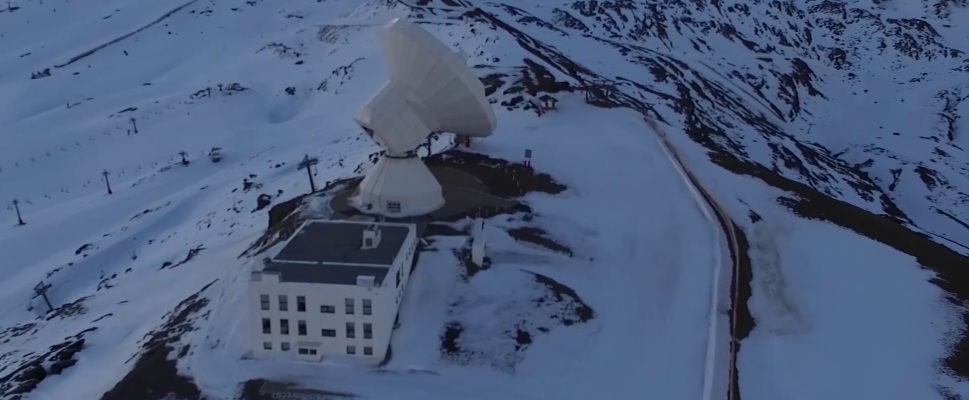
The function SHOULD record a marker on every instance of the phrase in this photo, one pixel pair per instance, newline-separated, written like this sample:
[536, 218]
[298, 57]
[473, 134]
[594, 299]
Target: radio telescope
[430, 89]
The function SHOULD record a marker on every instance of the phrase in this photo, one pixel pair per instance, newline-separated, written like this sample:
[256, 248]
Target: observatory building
[332, 290]
[335, 287]
[429, 89]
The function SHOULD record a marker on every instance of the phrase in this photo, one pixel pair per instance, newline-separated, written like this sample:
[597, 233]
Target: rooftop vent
[371, 237]
[365, 281]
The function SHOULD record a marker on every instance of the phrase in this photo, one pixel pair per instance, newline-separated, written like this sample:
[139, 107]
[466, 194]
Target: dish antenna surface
[430, 89]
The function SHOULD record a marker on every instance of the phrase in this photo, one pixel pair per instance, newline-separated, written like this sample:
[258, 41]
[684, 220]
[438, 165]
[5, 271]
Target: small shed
[548, 103]
[599, 92]
[215, 154]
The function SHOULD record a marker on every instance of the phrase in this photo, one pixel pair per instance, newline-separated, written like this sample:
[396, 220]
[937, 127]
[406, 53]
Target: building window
[367, 307]
[284, 346]
[283, 303]
[398, 277]
[267, 326]
[393, 206]
[349, 303]
[367, 331]
[351, 350]
[301, 328]
[300, 303]
[351, 331]
[327, 309]
[368, 351]
[328, 332]
[284, 326]
[264, 302]
[267, 345]
[311, 352]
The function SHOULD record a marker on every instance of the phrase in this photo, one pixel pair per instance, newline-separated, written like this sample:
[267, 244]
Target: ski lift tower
[307, 163]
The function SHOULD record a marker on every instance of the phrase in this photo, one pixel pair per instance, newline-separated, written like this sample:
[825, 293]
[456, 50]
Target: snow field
[837, 315]
[633, 280]
[637, 264]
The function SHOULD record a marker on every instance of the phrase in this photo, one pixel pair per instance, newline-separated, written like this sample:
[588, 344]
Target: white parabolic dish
[431, 89]
[439, 77]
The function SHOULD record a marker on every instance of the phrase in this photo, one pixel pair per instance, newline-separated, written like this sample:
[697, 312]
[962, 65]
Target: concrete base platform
[464, 195]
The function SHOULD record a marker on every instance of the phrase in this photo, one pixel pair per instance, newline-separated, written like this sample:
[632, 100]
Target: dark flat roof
[321, 251]
[339, 242]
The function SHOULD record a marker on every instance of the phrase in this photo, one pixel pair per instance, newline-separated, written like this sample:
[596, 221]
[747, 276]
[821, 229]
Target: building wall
[385, 302]
[395, 293]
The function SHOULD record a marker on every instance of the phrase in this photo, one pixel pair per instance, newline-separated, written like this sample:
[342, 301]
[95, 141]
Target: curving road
[731, 236]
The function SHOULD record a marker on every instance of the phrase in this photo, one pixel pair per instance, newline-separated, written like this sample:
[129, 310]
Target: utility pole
[184, 155]
[16, 207]
[41, 290]
[307, 163]
[106, 181]
[134, 125]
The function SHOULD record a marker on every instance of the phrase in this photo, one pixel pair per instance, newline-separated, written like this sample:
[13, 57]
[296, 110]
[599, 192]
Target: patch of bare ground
[492, 82]
[580, 312]
[33, 369]
[18, 330]
[285, 218]
[502, 178]
[192, 253]
[509, 336]
[449, 340]
[71, 309]
[952, 274]
[469, 268]
[261, 389]
[84, 247]
[155, 375]
[538, 237]
[251, 390]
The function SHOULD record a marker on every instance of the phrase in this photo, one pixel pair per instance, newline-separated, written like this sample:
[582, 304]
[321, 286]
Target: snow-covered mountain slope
[820, 84]
[830, 130]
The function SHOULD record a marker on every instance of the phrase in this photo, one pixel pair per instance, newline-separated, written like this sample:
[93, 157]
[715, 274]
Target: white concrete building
[332, 290]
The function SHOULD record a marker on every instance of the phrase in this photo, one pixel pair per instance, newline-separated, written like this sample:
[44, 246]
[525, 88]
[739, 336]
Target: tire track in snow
[123, 37]
[772, 284]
